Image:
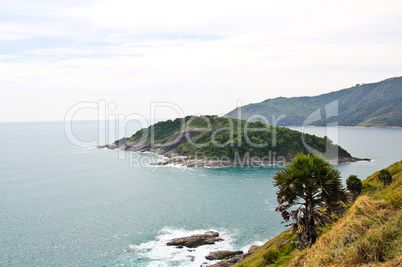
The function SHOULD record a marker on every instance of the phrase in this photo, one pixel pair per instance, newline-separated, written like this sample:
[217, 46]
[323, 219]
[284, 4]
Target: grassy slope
[369, 234]
[392, 192]
[282, 242]
[378, 104]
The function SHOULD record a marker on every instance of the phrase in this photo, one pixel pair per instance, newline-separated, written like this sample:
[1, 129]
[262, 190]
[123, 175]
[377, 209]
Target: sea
[63, 202]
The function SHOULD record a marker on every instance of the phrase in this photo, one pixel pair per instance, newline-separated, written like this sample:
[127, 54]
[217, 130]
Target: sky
[62, 59]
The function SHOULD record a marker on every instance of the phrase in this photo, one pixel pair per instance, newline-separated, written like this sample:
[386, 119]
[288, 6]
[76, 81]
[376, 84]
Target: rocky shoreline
[251, 161]
[172, 158]
[227, 257]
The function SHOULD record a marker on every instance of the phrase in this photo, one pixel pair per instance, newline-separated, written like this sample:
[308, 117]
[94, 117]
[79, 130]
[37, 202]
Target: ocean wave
[172, 166]
[157, 253]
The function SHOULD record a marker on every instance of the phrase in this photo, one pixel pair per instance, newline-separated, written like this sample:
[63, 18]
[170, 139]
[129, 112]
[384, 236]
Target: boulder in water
[194, 241]
[222, 254]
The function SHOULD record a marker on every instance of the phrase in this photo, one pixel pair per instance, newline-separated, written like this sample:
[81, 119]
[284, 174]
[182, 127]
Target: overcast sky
[202, 56]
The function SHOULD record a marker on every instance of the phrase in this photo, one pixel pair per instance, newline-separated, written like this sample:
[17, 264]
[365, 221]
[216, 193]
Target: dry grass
[371, 233]
[282, 243]
[392, 192]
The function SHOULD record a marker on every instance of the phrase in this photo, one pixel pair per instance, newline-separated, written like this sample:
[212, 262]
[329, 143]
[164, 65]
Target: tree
[385, 177]
[354, 185]
[314, 187]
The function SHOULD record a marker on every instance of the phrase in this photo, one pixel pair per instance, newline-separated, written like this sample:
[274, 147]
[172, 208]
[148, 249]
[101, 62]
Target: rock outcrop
[222, 254]
[227, 258]
[182, 142]
[193, 241]
[227, 263]
[252, 248]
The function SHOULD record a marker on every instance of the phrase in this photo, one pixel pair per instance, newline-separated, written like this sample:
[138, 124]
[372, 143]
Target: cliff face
[374, 104]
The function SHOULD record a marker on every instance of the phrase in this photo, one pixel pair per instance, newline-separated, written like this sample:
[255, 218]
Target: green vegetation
[378, 191]
[314, 186]
[271, 256]
[369, 233]
[375, 104]
[385, 177]
[213, 136]
[285, 244]
[354, 185]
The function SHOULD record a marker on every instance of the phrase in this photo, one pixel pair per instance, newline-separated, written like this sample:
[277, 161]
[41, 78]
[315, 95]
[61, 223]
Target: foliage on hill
[310, 192]
[374, 104]
[284, 244]
[393, 192]
[369, 234]
[214, 136]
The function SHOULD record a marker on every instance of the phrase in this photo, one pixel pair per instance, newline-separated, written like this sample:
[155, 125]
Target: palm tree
[314, 187]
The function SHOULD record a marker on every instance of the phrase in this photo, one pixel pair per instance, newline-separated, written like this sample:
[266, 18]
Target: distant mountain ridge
[373, 104]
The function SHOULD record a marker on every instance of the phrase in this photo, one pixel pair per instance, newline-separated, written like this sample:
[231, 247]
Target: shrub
[288, 248]
[354, 185]
[271, 256]
[385, 177]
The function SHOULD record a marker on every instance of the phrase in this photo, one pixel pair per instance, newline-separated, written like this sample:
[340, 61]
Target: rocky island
[212, 141]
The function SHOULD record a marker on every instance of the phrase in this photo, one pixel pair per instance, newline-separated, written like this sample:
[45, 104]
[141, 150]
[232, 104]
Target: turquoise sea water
[65, 205]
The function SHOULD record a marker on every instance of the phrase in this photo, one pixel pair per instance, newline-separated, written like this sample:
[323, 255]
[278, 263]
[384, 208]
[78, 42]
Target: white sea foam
[246, 248]
[170, 165]
[157, 253]
[271, 205]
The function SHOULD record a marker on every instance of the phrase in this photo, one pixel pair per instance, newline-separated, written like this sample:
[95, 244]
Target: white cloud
[200, 55]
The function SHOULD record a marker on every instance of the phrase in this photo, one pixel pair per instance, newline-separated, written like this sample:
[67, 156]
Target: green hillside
[369, 233]
[374, 104]
[214, 136]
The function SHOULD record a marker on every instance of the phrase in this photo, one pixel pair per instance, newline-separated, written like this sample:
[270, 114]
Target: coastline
[172, 158]
[361, 127]
[352, 127]
[374, 127]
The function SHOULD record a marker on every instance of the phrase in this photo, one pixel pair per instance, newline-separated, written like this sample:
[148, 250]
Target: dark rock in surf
[193, 241]
[227, 263]
[222, 254]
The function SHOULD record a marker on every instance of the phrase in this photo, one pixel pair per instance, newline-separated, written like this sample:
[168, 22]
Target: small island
[213, 141]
